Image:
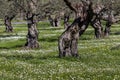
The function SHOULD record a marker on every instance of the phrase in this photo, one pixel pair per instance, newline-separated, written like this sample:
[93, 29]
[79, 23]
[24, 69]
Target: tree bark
[8, 25]
[32, 36]
[109, 21]
[107, 29]
[96, 24]
[80, 11]
[68, 41]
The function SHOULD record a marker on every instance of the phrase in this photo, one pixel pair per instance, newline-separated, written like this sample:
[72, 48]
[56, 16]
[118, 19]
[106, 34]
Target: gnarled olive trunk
[107, 29]
[32, 36]
[109, 21]
[68, 41]
[96, 24]
[8, 25]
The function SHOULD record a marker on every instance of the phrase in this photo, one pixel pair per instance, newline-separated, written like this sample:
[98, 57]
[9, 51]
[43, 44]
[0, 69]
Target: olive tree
[111, 15]
[8, 12]
[32, 9]
[85, 13]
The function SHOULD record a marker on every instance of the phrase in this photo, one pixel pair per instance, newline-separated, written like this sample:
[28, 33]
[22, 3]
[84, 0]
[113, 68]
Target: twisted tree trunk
[109, 21]
[80, 11]
[68, 41]
[96, 24]
[8, 25]
[107, 29]
[32, 36]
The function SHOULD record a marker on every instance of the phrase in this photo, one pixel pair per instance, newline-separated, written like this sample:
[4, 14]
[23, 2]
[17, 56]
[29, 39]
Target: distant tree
[32, 9]
[111, 15]
[86, 13]
[8, 12]
[68, 41]
[54, 12]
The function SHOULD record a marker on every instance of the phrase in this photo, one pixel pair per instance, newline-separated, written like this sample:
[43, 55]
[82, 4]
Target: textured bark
[109, 21]
[68, 41]
[80, 11]
[96, 24]
[8, 25]
[107, 29]
[88, 15]
[32, 36]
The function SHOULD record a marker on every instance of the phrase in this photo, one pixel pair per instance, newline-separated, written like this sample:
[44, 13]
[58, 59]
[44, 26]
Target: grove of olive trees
[84, 13]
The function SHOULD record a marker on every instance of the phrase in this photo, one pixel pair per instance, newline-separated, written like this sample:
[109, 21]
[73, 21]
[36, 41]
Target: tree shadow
[51, 39]
[18, 57]
[12, 47]
[117, 33]
[85, 38]
[115, 47]
[51, 28]
[11, 35]
[3, 36]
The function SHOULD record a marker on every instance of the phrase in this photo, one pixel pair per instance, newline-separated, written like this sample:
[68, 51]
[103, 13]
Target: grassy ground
[100, 59]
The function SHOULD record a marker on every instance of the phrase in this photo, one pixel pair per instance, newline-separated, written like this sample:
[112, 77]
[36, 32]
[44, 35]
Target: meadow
[99, 58]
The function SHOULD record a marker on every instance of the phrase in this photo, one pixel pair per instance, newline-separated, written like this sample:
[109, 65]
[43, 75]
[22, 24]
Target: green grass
[99, 59]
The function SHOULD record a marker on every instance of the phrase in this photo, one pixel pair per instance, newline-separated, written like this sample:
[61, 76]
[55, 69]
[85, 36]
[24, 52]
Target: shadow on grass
[18, 57]
[11, 35]
[3, 36]
[85, 38]
[117, 33]
[11, 47]
[49, 39]
[29, 58]
[115, 47]
[51, 28]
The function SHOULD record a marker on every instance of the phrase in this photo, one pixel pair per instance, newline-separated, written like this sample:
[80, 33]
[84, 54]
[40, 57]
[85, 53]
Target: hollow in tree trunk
[32, 36]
